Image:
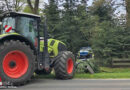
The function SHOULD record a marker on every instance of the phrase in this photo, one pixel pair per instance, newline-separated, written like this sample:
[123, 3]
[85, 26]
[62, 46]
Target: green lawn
[105, 73]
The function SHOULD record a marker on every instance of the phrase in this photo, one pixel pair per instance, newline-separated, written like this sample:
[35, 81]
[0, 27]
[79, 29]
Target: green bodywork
[4, 35]
[51, 48]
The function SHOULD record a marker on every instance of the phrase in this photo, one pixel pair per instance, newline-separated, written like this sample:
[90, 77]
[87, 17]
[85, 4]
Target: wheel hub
[70, 66]
[12, 64]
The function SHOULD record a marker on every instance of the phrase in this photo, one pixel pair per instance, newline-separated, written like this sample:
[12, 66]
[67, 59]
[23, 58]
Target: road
[76, 84]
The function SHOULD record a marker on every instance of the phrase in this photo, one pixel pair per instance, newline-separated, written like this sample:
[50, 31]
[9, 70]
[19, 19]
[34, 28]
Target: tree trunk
[34, 7]
[128, 13]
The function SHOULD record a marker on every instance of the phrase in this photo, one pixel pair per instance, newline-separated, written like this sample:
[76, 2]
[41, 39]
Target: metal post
[46, 61]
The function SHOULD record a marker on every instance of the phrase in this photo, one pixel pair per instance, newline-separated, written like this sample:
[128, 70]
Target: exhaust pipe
[46, 61]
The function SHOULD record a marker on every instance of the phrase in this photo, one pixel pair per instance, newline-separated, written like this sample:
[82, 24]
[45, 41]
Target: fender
[16, 36]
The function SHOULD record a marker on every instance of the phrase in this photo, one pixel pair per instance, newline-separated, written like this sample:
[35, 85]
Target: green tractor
[23, 51]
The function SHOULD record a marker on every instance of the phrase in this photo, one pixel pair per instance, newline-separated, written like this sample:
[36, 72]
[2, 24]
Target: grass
[105, 73]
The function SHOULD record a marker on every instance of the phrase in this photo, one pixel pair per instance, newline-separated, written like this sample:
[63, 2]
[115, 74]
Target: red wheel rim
[15, 64]
[70, 65]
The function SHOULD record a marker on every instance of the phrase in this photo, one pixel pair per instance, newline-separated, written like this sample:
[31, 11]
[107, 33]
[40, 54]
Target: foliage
[110, 40]
[107, 73]
[53, 19]
[27, 9]
[34, 6]
[78, 25]
[82, 66]
[63, 24]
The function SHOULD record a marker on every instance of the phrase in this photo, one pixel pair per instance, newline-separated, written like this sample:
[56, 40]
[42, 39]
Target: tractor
[24, 52]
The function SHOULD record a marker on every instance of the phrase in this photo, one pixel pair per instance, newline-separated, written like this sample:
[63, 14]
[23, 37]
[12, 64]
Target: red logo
[8, 28]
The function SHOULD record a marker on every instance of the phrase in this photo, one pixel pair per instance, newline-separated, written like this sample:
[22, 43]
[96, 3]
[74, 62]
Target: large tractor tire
[64, 65]
[17, 62]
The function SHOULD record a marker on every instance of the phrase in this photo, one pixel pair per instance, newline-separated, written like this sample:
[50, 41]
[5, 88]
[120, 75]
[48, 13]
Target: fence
[121, 62]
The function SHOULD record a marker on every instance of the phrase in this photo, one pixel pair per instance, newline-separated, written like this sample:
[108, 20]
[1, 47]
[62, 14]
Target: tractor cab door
[27, 27]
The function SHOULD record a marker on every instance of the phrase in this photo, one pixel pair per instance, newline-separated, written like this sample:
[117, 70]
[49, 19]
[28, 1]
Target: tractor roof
[20, 14]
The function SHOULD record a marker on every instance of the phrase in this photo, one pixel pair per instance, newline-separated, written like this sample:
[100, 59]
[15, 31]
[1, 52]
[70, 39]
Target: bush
[82, 66]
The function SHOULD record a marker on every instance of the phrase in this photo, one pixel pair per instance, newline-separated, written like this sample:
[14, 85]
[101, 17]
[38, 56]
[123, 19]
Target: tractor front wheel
[64, 65]
[17, 62]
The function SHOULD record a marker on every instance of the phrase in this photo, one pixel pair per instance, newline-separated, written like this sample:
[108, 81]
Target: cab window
[27, 27]
[10, 21]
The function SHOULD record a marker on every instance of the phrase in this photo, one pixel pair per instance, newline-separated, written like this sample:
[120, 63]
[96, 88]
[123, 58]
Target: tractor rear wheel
[17, 62]
[64, 65]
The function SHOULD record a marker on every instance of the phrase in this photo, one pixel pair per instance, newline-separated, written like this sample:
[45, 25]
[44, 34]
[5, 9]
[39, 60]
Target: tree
[103, 9]
[27, 9]
[1, 7]
[108, 39]
[53, 18]
[14, 5]
[34, 6]
[128, 12]
[69, 26]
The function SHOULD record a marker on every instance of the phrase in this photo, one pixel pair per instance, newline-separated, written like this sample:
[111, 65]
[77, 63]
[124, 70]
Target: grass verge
[105, 73]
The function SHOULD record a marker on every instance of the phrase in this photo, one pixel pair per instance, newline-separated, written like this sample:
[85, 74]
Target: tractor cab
[21, 23]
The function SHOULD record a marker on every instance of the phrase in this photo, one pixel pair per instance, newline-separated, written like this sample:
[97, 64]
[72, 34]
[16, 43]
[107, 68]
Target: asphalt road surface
[76, 84]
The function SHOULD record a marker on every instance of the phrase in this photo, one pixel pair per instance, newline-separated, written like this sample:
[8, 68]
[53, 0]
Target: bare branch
[7, 5]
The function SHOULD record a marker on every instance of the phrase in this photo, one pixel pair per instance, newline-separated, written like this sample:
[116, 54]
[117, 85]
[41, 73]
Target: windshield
[8, 21]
